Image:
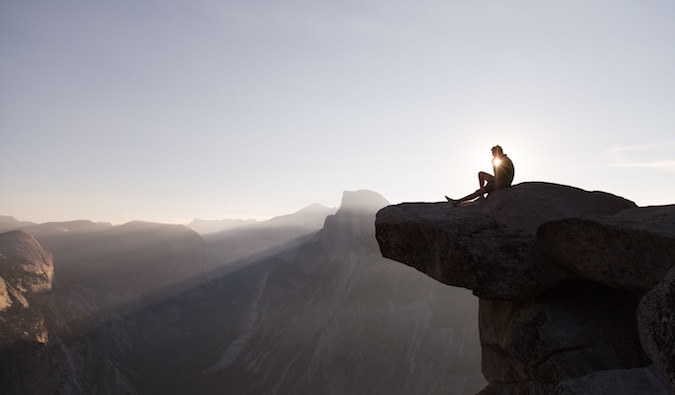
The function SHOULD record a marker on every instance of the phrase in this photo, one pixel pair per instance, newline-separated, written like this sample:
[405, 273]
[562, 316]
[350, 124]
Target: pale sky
[173, 110]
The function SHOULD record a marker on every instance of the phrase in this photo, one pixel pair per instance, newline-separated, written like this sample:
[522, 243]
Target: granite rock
[487, 246]
[560, 273]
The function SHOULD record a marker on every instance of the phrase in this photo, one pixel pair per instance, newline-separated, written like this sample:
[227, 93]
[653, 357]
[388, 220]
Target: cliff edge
[575, 287]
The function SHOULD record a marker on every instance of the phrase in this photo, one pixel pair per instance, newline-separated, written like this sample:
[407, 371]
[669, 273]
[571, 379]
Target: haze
[168, 111]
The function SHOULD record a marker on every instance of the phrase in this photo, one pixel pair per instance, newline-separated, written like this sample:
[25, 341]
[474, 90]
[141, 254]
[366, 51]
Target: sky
[172, 110]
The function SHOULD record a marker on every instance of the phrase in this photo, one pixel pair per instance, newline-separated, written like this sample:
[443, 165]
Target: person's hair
[497, 148]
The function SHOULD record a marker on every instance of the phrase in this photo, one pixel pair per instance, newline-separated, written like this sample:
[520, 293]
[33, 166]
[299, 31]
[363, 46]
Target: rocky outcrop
[487, 246]
[560, 273]
[25, 267]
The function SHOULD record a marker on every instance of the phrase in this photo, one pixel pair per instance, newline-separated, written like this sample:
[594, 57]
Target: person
[503, 177]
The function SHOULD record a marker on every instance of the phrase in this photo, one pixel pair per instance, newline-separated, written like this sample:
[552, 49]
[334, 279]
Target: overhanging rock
[488, 246]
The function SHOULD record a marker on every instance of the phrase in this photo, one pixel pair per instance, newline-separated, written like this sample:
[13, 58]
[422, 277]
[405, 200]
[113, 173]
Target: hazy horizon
[170, 111]
[179, 222]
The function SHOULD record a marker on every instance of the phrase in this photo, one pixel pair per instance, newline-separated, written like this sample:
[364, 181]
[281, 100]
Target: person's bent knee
[483, 176]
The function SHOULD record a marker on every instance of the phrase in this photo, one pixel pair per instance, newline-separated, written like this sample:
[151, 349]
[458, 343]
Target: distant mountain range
[205, 227]
[8, 222]
[302, 303]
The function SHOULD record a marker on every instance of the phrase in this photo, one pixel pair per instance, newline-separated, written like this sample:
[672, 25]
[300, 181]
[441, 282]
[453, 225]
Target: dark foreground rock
[560, 273]
[631, 250]
[656, 318]
[616, 382]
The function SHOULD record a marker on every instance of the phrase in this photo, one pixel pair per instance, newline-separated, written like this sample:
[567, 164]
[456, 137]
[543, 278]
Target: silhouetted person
[504, 171]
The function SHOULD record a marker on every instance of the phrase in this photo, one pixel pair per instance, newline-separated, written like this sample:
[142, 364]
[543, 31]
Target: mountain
[333, 316]
[312, 308]
[87, 321]
[51, 229]
[260, 240]
[134, 263]
[10, 223]
[205, 227]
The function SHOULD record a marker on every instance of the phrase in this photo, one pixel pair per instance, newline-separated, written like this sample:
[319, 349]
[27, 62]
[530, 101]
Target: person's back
[504, 172]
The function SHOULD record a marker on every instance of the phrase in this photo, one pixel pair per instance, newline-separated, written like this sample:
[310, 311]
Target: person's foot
[451, 201]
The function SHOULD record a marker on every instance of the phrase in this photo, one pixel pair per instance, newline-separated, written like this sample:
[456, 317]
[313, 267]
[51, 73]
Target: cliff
[575, 287]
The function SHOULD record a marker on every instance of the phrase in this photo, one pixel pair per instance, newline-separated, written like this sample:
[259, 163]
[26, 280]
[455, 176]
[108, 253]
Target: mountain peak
[362, 199]
[313, 208]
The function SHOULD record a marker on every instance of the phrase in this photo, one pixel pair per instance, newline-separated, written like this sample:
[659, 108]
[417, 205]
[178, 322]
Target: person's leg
[479, 192]
[485, 182]
[484, 179]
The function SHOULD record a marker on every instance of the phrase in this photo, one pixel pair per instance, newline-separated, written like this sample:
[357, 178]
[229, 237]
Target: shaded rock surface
[614, 250]
[560, 273]
[656, 317]
[616, 382]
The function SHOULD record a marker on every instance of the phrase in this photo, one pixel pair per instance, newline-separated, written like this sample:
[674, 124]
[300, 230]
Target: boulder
[656, 324]
[631, 250]
[487, 246]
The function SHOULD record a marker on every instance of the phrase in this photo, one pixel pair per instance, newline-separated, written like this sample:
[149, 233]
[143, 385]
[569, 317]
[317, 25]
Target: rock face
[25, 267]
[560, 273]
[32, 259]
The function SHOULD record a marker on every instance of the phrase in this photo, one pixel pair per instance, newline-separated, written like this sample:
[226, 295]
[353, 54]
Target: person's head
[497, 151]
